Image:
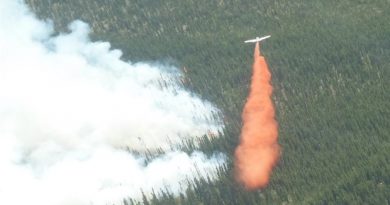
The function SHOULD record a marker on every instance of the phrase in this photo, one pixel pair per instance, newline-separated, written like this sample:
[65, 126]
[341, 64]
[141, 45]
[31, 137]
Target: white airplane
[257, 39]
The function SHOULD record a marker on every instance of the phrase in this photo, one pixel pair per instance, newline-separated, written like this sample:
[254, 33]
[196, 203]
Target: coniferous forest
[330, 64]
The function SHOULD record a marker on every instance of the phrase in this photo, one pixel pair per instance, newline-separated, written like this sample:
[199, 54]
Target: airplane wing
[250, 41]
[257, 39]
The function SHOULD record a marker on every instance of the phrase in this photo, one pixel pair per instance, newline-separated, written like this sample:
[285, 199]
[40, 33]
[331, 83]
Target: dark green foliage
[331, 77]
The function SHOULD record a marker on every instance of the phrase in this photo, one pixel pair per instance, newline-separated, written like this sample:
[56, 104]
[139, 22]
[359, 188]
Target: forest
[330, 71]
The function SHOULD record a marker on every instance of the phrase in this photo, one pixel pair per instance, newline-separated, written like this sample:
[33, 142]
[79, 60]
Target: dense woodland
[330, 62]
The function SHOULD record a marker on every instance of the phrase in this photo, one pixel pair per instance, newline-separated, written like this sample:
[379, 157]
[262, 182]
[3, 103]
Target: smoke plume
[69, 107]
[258, 151]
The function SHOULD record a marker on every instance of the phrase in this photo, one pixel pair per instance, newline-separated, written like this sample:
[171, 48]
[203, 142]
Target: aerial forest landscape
[144, 102]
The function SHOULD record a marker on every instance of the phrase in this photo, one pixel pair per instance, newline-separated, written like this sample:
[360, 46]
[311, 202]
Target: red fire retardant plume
[258, 151]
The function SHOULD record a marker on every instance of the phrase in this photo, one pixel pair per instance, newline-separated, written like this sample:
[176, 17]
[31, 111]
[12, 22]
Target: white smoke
[68, 107]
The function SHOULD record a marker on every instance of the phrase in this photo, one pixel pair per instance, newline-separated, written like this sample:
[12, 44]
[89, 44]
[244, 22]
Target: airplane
[257, 39]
